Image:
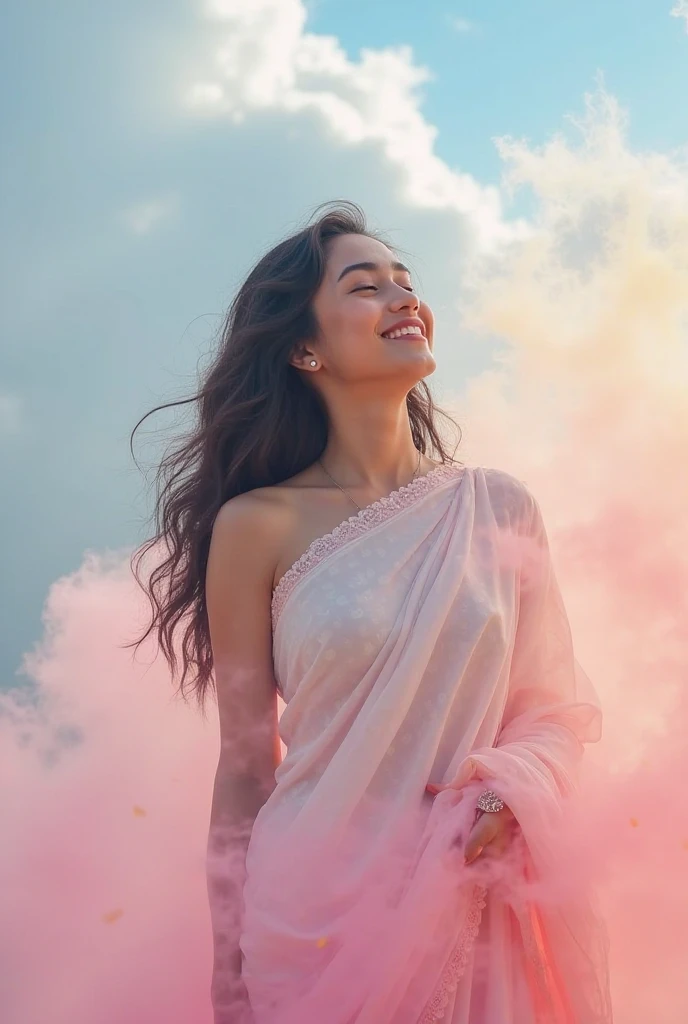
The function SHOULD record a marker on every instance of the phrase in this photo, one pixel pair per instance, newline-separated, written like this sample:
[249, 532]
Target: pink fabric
[424, 640]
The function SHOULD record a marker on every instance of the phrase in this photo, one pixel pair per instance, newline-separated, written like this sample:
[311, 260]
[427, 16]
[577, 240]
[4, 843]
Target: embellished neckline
[356, 524]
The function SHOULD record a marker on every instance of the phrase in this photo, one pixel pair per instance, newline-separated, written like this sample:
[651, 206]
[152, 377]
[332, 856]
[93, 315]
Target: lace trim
[436, 1007]
[355, 525]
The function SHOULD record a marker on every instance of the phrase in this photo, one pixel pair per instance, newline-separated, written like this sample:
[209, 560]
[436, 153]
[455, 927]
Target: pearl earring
[313, 362]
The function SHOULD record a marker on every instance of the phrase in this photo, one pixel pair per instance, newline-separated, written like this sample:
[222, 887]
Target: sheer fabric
[423, 640]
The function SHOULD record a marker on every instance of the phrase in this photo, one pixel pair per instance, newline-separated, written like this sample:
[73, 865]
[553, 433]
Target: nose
[406, 299]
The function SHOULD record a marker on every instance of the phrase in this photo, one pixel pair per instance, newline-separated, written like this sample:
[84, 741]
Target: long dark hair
[257, 423]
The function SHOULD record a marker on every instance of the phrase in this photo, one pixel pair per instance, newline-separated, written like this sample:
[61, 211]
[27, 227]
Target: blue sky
[518, 68]
[130, 213]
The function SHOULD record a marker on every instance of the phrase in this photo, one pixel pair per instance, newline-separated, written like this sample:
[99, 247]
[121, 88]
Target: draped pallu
[424, 639]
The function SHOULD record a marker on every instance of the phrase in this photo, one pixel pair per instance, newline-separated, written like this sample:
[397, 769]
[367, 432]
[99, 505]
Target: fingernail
[432, 787]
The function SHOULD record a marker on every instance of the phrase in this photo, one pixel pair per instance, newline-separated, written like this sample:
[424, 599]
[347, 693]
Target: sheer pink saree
[424, 639]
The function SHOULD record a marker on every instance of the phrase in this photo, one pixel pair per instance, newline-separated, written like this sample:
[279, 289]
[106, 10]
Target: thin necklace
[347, 493]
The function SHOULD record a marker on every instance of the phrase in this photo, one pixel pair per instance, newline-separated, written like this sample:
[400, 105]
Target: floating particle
[634, 822]
[322, 941]
[139, 812]
[112, 916]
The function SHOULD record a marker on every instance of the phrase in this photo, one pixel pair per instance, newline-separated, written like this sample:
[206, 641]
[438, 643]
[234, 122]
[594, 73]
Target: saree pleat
[424, 640]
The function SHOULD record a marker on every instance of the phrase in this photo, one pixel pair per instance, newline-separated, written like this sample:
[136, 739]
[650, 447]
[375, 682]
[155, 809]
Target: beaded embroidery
[436, 1007]
[355, 525]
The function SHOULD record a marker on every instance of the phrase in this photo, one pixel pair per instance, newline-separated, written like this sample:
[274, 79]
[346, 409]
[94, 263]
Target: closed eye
[367, 287]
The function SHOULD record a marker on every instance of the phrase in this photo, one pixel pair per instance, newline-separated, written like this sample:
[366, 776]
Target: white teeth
[402, 331]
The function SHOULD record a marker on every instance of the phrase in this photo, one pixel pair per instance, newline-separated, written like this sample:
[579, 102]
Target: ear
[301, 356]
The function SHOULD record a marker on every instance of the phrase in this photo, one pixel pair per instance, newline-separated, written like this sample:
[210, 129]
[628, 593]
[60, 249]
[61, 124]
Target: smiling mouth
[404, 332]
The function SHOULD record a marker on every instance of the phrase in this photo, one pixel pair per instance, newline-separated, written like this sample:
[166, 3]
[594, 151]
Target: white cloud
[142, 217]
[680, 10]
[266, 61]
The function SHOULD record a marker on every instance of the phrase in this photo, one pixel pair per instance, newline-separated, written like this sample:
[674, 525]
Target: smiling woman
[420, 645]
[334, 280]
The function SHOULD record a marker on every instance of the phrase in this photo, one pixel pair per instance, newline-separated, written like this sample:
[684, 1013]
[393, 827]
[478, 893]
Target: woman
[398, 865]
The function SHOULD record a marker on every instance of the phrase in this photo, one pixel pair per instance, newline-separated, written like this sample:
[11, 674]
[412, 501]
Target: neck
[388, 475]
[370, 446]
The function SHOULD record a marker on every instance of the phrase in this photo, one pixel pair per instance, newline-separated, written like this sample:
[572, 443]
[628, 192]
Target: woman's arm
[552, 709]
[551, 713]
[236, 803]
[238, 594]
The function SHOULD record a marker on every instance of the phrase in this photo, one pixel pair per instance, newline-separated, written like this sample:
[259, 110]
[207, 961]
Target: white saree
[423, 640]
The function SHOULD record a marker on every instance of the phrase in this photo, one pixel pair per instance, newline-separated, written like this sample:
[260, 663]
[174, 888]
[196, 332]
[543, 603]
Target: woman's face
[357, 305]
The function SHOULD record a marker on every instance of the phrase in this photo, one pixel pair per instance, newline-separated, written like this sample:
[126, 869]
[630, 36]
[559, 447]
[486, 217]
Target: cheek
[349, 334]
[425, 313]
[360, 314]
[354, 324]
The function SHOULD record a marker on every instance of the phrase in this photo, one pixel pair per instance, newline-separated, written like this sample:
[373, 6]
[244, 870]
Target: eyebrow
[367, 265]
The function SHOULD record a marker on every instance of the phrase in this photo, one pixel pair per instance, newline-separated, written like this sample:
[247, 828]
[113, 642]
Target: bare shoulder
[253, 516]
[257, 524]
[260, 515]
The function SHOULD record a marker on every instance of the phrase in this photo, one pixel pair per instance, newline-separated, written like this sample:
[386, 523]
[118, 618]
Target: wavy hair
[257, 423]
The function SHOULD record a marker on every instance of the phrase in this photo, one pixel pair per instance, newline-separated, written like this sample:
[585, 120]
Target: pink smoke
[105, 803]
[107, 781]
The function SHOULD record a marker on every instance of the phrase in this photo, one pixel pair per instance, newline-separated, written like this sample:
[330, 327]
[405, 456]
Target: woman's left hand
[490, 834]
